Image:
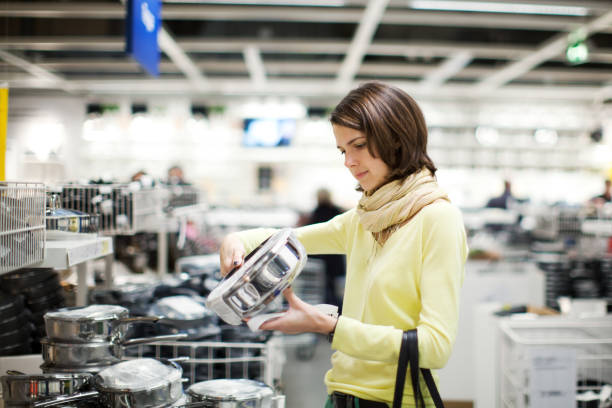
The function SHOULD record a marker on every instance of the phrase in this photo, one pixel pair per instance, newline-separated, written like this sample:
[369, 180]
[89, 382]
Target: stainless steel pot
[94, 323]
[231, 393]
[59, 354]
[138, 383]
[265, 273]
[25, 389]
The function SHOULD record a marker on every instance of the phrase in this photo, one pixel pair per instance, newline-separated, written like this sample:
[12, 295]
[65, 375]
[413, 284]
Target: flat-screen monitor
[268, 132]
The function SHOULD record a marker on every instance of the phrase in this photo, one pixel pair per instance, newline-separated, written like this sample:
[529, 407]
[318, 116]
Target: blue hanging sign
[142, 25]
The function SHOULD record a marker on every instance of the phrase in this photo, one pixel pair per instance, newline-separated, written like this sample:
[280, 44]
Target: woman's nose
[349, 160]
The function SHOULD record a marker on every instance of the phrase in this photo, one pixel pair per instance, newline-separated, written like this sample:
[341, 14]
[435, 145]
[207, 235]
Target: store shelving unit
[22, 224]
[128, 209]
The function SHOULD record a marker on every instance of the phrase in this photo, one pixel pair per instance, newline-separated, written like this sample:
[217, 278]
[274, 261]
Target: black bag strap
[409, 352]
[400, 377]
[431, 385]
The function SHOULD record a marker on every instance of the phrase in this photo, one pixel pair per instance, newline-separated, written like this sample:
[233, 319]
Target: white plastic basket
[22, 224]
[122, 209]
[539, 356]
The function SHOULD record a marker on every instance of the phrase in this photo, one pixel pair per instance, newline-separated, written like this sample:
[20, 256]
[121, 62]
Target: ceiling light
[494, 7]
[547, 137]
[324, 3]
[487, 136]
[577, 51]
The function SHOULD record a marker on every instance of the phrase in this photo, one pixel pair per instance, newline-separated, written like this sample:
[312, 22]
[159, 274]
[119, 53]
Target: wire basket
[122, 209]
[208, 360]
[22, 224]
[533, 354]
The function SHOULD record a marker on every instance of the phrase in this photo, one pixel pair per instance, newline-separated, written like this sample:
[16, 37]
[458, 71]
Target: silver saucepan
[94, 323]
[59, 354]
[265, 273]
[24, 389]
[138, 383]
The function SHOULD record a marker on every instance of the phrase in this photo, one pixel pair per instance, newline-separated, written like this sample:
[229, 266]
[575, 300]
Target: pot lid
[93, 312]
[138, 374]
[229, 390]
[265, 273]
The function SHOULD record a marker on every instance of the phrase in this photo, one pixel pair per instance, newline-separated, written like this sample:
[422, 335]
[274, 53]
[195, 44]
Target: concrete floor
[304, 370]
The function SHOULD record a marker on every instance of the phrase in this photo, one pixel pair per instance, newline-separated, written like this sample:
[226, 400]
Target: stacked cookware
[138, 383]
[136, 297]
[15, 330]
[40, 291]
[89, 339]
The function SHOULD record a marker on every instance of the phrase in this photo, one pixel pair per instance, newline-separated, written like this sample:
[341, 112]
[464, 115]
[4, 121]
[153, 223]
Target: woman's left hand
[300, 318]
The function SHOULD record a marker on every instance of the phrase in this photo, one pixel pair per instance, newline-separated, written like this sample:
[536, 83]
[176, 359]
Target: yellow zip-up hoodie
[412, 281]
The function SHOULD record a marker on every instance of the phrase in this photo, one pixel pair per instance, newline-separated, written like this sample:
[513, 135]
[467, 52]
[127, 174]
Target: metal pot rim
[93, 368]
[48, 376]
[259, 390]
[91, 344]
[121, 314]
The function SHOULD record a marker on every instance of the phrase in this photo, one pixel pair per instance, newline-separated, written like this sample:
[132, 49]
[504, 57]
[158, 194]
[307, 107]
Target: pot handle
[151, 319]
[14, 372]
[146, 340]
[66, 398]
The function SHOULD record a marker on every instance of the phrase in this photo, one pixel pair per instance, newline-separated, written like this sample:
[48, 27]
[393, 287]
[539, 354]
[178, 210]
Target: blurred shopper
[606, 196]
[176, 176]
[142, 179]
[504, 200]
[334, 264]
[405, 248]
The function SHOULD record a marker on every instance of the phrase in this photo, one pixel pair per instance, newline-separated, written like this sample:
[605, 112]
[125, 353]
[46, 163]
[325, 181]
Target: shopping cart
[555, 362]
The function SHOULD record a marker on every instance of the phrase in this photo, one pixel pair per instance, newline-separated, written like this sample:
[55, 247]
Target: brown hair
[393, 124]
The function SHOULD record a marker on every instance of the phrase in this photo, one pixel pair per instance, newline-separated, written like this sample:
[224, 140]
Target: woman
[405, 249]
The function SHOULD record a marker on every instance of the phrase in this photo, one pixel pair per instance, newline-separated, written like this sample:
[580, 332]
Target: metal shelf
[65, 254]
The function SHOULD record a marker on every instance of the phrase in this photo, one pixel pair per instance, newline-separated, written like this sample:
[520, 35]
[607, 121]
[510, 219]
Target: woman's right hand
[231, 253]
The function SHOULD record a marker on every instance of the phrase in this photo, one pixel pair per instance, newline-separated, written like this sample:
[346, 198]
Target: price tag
[88, 250]
[552, 377]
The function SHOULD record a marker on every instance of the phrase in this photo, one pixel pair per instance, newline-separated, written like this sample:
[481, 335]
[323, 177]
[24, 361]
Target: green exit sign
[577, 53]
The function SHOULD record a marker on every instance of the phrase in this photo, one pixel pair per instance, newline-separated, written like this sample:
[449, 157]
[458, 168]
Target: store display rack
[123, 209]
[22, 224]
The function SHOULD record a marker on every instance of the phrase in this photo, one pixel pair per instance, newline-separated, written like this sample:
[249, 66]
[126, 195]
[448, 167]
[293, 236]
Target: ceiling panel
[285, 47]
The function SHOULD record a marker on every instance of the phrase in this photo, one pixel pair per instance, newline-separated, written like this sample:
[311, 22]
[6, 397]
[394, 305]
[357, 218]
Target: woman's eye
[360, 146]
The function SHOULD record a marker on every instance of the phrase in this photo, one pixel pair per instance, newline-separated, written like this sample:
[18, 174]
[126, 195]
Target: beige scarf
[396, 202]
